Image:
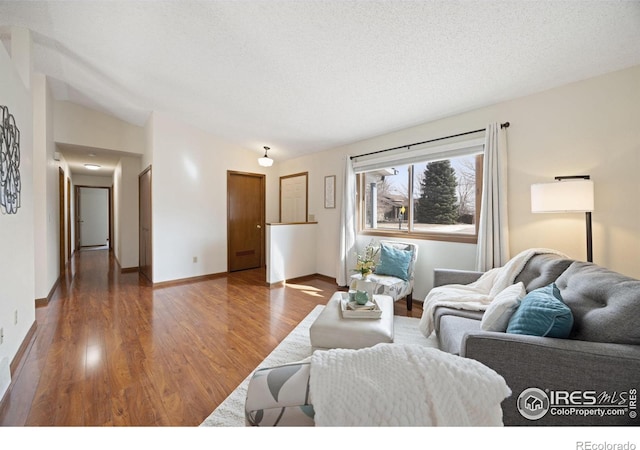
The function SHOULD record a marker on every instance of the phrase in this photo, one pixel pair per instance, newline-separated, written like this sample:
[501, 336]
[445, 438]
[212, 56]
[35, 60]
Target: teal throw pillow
[542, 312]
[394, 262]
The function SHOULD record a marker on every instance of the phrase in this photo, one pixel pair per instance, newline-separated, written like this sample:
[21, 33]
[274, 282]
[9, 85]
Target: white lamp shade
[265, 161]
[562, 196]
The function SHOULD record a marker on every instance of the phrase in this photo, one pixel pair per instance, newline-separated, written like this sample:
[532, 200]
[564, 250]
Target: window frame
[410, 233]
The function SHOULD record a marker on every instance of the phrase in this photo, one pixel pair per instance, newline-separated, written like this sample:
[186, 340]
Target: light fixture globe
[265, 161]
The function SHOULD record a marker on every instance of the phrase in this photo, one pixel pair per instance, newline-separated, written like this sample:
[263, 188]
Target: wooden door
[62, 235]
[76, 239]
[245, 220]
[68, 208]
[145, 254]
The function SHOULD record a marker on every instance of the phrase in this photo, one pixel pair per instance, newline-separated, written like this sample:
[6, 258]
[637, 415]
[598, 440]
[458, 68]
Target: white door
[293, 199]
[94, 216]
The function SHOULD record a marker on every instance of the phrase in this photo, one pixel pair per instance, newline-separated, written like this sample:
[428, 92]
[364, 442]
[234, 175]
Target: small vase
[362, 297]
[368, 286]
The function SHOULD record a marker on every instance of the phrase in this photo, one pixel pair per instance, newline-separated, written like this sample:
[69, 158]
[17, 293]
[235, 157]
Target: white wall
[125, 199]
[290, 251]
[588, 127]
[17, 277]
[189, 195]
[92, 181]
[149, 143]
[77, 125]
[45, 182]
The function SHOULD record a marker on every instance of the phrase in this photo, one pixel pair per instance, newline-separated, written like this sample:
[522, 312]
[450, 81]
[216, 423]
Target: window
[432, 199]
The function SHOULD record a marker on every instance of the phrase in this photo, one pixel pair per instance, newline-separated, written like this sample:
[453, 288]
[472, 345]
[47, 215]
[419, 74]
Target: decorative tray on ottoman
[352, 310]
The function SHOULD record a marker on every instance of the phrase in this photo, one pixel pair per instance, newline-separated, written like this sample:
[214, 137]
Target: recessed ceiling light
[92, 166]
[92, 154]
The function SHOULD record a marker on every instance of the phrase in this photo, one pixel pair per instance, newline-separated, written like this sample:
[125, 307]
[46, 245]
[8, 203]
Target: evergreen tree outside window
[438, 203]
[437, 200]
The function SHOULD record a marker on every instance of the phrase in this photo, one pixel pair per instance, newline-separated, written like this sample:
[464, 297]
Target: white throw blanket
[476, 296]
[403, 385]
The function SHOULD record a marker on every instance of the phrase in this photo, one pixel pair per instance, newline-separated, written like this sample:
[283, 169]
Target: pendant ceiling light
[265, 161]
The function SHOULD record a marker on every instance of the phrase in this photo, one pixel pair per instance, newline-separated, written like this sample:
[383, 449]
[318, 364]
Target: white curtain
[347, 254]
[493, 230]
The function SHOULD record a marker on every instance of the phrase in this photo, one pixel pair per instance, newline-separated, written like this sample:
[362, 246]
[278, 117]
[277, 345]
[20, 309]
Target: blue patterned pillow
[394, 262]
[542, 312]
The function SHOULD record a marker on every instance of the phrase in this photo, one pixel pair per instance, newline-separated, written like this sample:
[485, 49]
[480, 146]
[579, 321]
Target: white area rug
[296, 346]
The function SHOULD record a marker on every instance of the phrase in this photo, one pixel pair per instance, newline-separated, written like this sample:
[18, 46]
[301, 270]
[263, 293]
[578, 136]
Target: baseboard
[326, 278]
[16, 363]
[211, 276]
[5, 377]
[40, 302]
[24, 347]
[124, 269]
[314, 276]
[214, 276]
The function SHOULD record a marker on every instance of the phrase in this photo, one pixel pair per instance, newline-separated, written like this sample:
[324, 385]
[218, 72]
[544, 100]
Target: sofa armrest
[453, 276]
[558, 365]
[279, 395]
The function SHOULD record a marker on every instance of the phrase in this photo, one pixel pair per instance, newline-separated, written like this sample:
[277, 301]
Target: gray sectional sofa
[591, 378]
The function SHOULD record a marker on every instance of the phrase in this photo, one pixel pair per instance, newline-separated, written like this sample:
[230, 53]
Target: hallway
[111, 350]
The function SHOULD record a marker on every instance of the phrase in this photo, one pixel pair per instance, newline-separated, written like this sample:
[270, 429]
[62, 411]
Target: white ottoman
[331, 330]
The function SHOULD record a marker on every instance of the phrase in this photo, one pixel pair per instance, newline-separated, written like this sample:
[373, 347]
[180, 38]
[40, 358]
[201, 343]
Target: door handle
[258, 226]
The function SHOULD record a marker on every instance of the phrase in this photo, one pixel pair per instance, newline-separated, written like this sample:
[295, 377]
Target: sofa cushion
[542, 313]
[502, 307]
[394, 262]
[442, 311]
[453, 328]
[542, 269]
[605, 304]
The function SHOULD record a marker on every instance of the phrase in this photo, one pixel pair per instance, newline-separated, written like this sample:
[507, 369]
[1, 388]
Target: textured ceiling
[303, 76]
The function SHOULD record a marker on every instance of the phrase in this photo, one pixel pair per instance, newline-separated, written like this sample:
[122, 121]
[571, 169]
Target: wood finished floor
[110, 350]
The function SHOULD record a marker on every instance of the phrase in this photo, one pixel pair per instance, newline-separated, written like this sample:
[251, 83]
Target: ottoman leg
[409, 301]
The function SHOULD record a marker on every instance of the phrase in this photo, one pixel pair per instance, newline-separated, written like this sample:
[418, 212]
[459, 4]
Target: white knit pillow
[503, 305]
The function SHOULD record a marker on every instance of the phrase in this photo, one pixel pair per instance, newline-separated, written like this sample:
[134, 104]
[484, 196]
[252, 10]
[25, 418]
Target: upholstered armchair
[394, 272]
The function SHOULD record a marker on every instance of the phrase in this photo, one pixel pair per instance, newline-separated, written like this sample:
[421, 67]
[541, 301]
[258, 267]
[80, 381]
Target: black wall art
[9, 163]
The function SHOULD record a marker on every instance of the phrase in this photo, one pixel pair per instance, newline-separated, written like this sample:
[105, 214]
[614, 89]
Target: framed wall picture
[330, 191]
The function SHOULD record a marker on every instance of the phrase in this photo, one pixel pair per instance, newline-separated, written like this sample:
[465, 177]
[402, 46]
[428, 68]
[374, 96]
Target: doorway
[144, 232]
[245, 220]
[93, 216]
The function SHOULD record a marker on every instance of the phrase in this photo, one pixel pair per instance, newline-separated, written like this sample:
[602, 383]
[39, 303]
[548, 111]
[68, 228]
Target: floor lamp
[567, 194]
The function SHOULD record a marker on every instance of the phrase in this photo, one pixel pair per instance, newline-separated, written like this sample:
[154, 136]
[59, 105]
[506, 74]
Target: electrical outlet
[195, 259]
[15, 317]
